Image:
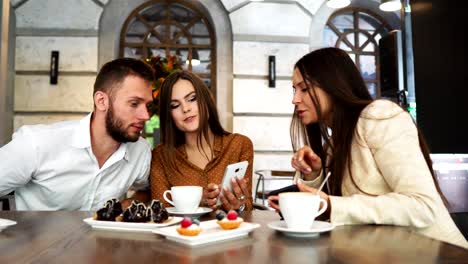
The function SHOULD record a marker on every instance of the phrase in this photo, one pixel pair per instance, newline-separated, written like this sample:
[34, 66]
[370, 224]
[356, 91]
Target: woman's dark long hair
[171, 136]
[332, 70]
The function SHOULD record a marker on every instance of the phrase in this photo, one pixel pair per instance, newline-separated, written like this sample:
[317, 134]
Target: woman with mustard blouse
[195, 149]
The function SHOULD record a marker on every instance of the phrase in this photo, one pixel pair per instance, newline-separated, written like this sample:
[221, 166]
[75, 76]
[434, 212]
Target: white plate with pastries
[4, 223]
[130, 226]
[210, 233]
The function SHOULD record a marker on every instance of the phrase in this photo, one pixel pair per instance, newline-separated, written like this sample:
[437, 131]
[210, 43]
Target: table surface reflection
[63, 237]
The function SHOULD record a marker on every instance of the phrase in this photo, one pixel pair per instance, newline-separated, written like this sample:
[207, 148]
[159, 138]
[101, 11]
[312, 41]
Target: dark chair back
[7, 202]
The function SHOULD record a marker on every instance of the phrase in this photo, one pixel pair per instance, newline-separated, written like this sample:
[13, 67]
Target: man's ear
[101, 101]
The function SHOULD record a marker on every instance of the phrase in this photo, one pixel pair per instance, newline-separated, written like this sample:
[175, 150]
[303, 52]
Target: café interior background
[87, 34]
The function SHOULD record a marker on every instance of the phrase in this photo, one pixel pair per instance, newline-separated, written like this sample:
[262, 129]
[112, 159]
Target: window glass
[340, 31]
[164, 28]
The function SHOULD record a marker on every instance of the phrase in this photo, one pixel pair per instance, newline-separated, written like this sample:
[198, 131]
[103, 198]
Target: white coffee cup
[184, 198]
[299, 209]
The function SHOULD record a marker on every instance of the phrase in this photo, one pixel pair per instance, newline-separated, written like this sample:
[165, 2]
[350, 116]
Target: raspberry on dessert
[186, 222]
[232, 215]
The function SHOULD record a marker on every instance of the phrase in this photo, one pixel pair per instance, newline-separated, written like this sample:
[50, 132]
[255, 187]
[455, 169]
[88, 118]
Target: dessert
[189, 227]
[156, 213]
[135, 213]
[229, 221]
[112, 208]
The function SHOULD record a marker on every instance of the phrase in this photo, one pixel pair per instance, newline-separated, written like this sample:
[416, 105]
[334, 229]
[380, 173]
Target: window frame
[358, 50]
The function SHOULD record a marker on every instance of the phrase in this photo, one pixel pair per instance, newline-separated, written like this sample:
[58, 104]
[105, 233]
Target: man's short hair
[113, 73]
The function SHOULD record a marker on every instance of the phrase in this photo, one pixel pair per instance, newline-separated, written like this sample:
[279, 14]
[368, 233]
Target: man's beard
[115, 128]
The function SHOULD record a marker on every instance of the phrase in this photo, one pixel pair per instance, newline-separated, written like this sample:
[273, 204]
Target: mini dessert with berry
[112, 208]
[189, 227]
[229, 221]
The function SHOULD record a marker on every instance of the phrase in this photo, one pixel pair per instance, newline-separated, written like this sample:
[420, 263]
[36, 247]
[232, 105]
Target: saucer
[317, 228]
[198, 212]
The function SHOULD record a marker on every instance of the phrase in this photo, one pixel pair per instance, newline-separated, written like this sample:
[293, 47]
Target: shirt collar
[217, 145]
[82, 134]
[82, 138]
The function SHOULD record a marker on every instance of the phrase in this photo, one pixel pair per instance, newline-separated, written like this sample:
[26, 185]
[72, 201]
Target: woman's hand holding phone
[236, 198]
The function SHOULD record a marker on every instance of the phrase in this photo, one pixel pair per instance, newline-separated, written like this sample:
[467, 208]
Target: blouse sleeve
[247, 154]
[413, 198]
[158, 179]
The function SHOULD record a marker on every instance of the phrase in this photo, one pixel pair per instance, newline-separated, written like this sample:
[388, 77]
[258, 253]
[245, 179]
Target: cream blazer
[387, 162]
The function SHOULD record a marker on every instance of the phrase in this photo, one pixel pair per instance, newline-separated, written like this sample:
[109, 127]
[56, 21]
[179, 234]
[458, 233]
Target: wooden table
[63, 237]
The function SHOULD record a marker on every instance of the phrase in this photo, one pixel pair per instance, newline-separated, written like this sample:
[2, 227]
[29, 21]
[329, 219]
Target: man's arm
[18, 161]
[140, 188]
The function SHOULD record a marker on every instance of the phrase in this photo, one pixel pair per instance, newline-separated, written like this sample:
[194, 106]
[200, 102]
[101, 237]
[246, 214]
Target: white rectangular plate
[134, 227]
[211, 232]
[4, 223]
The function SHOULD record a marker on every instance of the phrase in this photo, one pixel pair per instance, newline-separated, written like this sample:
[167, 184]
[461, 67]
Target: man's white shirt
[52, 167]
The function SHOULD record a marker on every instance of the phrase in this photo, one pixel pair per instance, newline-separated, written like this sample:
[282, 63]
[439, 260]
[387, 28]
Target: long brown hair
[171, 136]
[333, 71]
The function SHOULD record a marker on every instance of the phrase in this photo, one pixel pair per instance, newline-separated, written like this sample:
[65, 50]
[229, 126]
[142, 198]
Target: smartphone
[290, 188]
[233, 170]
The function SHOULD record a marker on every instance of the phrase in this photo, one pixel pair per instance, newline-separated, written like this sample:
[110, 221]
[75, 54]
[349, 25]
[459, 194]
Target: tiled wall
[286, 29]
[70, 27]
[262, 29]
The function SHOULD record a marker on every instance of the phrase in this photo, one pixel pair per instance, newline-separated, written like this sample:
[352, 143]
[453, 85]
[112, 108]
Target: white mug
[299, 209]
[184, 198]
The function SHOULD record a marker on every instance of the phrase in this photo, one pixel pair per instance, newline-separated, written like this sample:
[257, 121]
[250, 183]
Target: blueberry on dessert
[156, 213]
[112, 208]
[136, 212]
[188, 227]
[220, 214]
[230, 221]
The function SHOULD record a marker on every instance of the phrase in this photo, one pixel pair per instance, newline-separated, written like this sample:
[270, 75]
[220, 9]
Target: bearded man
[79, 165]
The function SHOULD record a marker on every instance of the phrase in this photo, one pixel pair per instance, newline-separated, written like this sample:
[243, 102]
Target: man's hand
[126, 203]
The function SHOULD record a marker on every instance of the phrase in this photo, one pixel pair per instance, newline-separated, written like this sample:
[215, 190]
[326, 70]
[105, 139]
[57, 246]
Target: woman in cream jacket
[381, 172]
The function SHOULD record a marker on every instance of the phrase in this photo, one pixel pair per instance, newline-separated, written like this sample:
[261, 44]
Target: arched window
[358, 31]
[171, 27]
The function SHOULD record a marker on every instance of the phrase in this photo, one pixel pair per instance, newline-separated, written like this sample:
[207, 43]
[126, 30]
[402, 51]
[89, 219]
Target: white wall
[262, 29]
